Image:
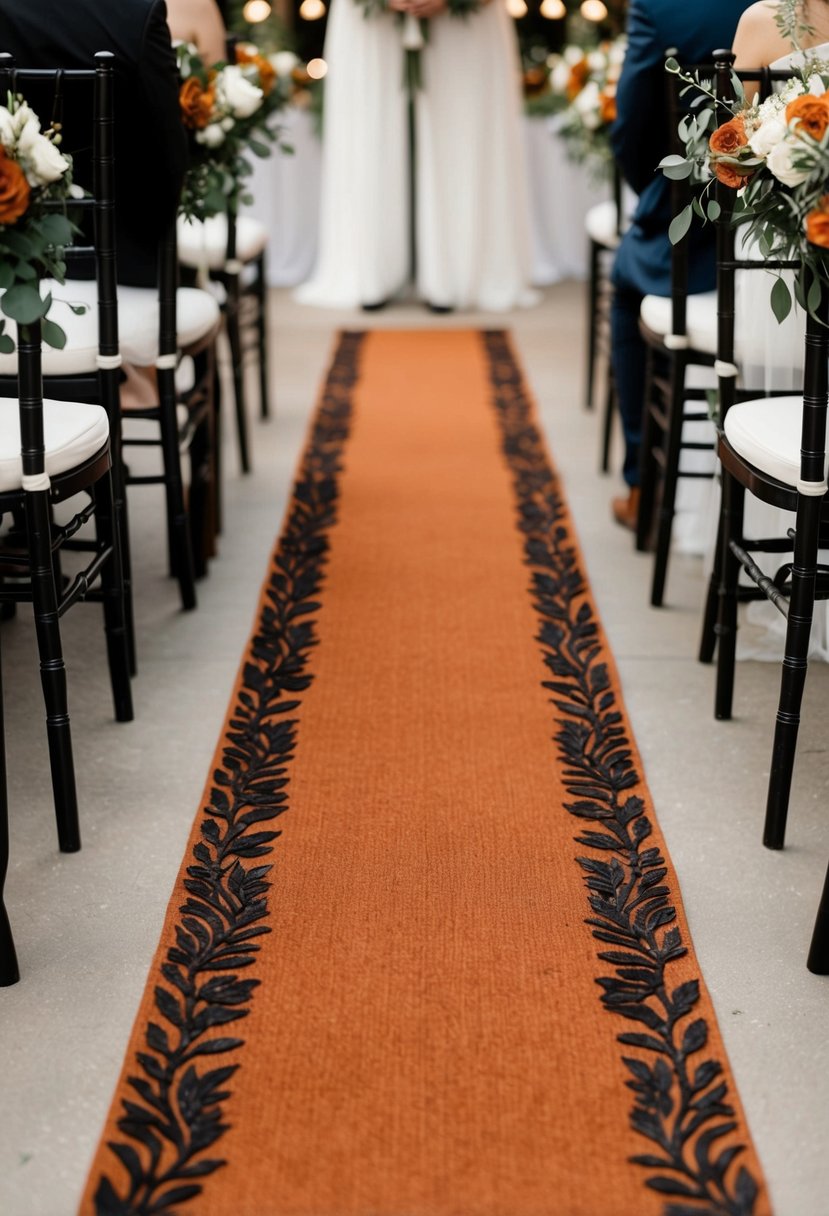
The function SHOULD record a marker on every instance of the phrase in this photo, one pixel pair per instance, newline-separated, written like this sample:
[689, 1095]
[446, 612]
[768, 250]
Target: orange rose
[607, 106]
[729, 137]
[196, 104]
[817, 224]
[728, 175]
[811, 115]
[14, 189]
[535, 81]
[267, 73]
[578, 79]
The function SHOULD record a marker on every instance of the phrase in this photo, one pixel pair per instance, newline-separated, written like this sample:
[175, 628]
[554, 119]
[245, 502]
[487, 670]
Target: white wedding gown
[364, 220]
[473, 225]
[472, 208]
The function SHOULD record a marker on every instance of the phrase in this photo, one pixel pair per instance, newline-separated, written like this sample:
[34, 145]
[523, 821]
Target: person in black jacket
[150, 145]
[640, 139]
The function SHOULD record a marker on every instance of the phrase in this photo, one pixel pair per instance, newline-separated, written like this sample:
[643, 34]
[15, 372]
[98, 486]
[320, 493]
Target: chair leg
[607, 421]
[112, 594]
[647, 461]
[818, 960]
[178, 524]
[52, 672]
[234, 336]
[9, 970]
[726, 630]
[121, 517]
[793, 675]
[204, 503]
[708, 637]
[594, 258]
[673, 446]
[260, 289]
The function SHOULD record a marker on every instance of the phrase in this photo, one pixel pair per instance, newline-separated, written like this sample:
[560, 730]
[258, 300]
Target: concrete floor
[86, 925]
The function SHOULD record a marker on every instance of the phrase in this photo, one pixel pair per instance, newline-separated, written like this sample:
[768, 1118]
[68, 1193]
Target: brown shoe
[626, 510]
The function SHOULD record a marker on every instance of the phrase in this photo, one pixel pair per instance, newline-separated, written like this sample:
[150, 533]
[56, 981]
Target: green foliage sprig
[229, 111]
[35, 182]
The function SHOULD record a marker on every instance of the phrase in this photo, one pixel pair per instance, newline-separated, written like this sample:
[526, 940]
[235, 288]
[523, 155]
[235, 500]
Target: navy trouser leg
[628, 357]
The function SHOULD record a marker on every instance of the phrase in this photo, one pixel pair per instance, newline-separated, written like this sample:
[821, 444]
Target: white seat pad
[766, 433]
[203, 243]
[701, 318]
[197, 313]
[601, 225]
[73, 432]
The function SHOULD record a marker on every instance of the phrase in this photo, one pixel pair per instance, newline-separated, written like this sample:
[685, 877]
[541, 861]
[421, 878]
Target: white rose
[211, 136]
[617, 52]
[768, 135]
[237, 94]
[781, 163]
[283, 62]
[560, 77]
[6, 128]
[596, 61]
[587, 105]
[41, 160]
[573, 55]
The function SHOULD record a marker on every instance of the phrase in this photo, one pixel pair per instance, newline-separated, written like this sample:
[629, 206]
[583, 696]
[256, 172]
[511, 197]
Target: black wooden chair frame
[40, 583]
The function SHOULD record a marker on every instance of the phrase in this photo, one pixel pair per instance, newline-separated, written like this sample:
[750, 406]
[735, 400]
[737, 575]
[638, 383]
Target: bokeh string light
[312, 10]
[256, 11]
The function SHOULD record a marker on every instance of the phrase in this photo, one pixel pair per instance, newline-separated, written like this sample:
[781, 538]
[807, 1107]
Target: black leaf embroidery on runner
[680, 1100]
[179, 1085]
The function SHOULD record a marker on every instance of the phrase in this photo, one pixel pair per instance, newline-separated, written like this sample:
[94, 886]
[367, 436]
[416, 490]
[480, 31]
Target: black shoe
[440, 309]
[377, 306]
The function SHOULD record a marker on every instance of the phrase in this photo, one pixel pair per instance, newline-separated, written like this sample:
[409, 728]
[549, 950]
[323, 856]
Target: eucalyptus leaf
[680, 225]
[56, 229]
[259, 149]
[6, 275]
[781, 300]
[6, 345]
[23, 304]
[713, 210]
[53, 335]
[813, 298]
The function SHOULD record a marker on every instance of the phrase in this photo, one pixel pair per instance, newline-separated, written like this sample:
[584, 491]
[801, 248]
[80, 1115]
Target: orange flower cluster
[607, 104]
[817, 224]
[727, 140]
[196, 103]
[579, 74]
[811, 113]
[267, 73]
[14, 189]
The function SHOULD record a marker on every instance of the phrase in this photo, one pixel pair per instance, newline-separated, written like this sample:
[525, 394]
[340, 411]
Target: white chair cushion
[203, 243]
[197, 313]
[766, 433]
[73, 432]
[601, 225]
[701, 319]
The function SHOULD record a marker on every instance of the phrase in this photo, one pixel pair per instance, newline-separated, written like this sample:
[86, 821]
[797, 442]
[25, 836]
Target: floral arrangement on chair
[775, 156]
[33, 174]
[589, 85]
[228, 109]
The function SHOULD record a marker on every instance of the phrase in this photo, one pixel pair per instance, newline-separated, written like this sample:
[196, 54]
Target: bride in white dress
[363, 256]
[472, 211]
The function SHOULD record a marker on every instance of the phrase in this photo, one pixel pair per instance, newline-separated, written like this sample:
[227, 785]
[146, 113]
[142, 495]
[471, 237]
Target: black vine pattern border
[681, 1102]
[180, 1083]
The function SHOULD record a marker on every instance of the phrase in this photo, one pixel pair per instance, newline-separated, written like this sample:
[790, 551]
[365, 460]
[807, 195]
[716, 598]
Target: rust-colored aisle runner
[460, 982]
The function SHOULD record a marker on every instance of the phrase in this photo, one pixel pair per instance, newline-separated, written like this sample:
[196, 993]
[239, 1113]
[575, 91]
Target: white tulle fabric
[473, 218]
[473, 222]
[363, 253]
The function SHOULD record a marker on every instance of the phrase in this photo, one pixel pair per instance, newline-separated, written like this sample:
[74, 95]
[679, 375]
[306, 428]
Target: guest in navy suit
[150, 144]
[640, 139]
